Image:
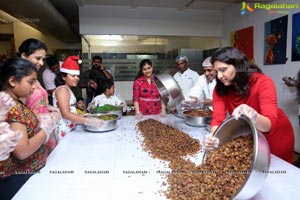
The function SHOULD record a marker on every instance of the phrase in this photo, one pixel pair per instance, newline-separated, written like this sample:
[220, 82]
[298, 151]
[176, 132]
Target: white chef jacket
[203, 89]
[186, 80]
[101, 100]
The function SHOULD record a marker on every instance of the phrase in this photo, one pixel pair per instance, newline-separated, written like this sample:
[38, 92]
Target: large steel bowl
[116, 112]
[231, 129]
[169, 90]
[197, 121]
[107, 125]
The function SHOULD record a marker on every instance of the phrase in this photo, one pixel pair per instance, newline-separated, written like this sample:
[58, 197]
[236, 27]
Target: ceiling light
[111, 37]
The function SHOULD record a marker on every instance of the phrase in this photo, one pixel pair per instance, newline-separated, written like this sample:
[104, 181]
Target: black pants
[50, 100]
[11, 185]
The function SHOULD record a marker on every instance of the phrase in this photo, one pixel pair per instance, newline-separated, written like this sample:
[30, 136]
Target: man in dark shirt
[97, 67]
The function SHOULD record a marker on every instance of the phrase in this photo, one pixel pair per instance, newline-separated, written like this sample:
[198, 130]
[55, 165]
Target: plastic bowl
[231, 129]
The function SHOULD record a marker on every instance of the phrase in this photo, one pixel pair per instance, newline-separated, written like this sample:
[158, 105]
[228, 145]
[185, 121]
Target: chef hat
[70, 65]
[184, 58]
[207, 62]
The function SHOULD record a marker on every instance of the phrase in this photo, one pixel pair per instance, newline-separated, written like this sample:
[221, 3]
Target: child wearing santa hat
[65, 100]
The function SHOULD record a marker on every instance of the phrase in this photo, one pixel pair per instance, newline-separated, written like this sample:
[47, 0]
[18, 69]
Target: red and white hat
[70, 65]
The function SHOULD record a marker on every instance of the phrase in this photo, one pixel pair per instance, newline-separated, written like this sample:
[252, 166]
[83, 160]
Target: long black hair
[59, 78]
[244, 69]
[142, 64]
[29, 46]
[16, 67]
[97, 77]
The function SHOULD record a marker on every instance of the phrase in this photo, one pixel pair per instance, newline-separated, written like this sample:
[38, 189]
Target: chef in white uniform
[185, 77]
[203, 90]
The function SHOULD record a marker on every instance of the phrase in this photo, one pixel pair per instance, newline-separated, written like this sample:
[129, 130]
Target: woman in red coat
[242, 88]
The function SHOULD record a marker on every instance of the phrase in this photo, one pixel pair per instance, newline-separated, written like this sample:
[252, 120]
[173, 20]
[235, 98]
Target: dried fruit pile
[222, 174]
[165, 142]
[198, 113]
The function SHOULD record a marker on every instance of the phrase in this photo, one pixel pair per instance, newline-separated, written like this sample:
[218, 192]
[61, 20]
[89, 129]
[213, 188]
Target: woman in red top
[146, 98]
[242, 88]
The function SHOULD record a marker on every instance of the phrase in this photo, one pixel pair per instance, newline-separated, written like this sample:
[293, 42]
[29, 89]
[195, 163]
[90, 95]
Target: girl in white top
[107, 97]
[64, 99]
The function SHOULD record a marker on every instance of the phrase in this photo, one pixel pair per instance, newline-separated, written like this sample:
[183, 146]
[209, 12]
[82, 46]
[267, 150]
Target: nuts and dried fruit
[198, 113]
[165, 142]
[108, 117]
[220, 177]
[224, 172]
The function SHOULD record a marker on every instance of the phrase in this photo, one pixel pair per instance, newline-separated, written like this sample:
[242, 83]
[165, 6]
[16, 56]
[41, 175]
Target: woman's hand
[138, 116]
[210, 142]
[163, 113]
[247, 111]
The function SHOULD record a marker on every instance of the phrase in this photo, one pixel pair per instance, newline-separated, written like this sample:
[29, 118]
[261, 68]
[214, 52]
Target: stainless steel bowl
[169, 90]
[116, 112]
[108, 125]
[231, 129]
[195, 120]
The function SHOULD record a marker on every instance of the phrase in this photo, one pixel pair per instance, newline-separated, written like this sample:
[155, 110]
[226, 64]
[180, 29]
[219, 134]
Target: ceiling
[60, 18]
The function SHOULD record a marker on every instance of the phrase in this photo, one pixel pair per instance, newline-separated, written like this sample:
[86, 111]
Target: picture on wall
[275, 41]
[296, 37]
[243, 40]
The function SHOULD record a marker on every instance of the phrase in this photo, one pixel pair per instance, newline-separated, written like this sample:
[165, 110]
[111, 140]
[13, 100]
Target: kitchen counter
[112, 165]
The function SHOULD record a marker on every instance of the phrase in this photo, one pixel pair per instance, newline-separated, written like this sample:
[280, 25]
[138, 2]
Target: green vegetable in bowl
[106, 108]
[107, 117]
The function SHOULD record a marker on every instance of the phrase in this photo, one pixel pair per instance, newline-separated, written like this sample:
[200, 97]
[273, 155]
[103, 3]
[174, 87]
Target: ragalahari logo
[246, 8]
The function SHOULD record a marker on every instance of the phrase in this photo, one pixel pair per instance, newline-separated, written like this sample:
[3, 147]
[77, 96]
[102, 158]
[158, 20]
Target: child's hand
[47, 124]
[8, 140]
[6, 103]
[53, 109]
[124, 106]
[93, 122]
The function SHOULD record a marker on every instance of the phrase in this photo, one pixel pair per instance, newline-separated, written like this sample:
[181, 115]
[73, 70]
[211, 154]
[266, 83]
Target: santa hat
[70, 65]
